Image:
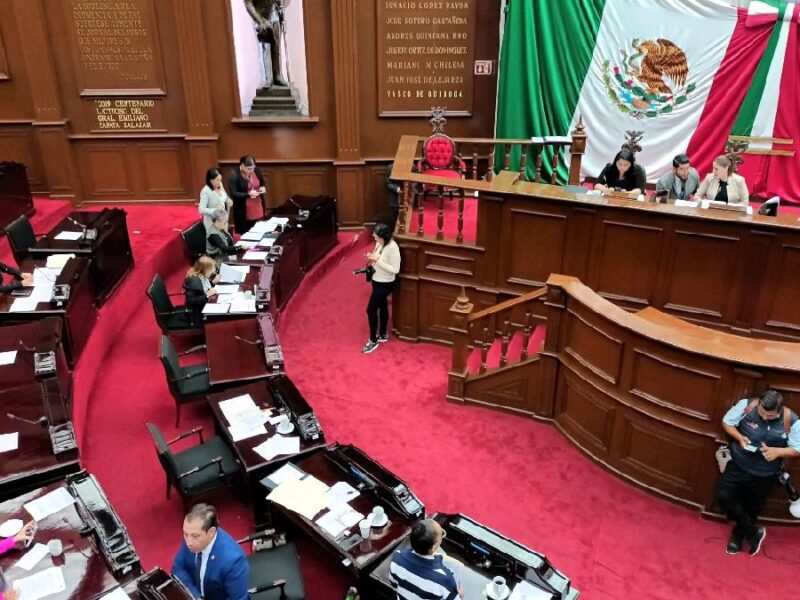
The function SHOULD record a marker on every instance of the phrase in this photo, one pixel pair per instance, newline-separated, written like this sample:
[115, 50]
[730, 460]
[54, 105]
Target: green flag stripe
[747, 113]
[547, 51]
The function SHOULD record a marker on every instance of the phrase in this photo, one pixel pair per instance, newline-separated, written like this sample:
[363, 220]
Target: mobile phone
[751, 448]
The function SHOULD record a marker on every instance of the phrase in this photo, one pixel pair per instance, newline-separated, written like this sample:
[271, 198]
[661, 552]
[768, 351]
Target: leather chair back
[194, 239]
[21, 238]
[157, 292]
[165, 456]
[169, 358]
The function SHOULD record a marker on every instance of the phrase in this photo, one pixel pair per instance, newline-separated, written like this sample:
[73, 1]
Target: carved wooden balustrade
[497, 380]
[482, 157]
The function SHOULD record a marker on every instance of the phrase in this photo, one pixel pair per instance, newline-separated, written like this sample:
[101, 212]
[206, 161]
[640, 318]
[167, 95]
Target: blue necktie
[198, 563]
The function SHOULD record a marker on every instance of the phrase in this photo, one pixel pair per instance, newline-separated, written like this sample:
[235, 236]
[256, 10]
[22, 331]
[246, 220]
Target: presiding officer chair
[439, 157]
[170, 318]
[194, 239]
[186, 384]
[274, 567]
[199, 470]
[21, 238]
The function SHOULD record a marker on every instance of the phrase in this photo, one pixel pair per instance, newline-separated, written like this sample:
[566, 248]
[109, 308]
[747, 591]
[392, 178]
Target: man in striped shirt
[419, 573]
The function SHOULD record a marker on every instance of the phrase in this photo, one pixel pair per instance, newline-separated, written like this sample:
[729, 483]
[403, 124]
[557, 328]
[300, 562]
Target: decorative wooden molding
[190, 26]
[4, 74]
[345, 61]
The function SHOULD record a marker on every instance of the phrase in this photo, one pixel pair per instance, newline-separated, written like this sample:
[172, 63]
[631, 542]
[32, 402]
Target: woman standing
[213, 196]
[198, 286]
[385, 259]
[247, 188]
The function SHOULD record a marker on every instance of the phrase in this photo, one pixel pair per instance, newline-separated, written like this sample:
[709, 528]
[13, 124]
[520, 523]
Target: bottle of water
[352, 594]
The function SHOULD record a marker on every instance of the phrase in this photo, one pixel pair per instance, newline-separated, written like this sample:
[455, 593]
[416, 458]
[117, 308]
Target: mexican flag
[687, 73]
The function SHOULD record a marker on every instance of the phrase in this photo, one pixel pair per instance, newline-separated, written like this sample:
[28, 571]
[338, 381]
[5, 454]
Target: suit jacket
[16, 282]
[219, 243]
[227, 573]
[196, 297]
[667, 182]
[737, 189]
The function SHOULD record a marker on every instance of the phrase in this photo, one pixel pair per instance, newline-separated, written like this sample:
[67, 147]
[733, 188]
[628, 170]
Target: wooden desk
[110, 252]
[78, 314]
[255, 466]
[234, 351]
[33, 463]
[250, 284]
[362, 555]
[27, 339]
[157, 585]
[15, 193]
[86, 572]
[319, 230]
[474, 545]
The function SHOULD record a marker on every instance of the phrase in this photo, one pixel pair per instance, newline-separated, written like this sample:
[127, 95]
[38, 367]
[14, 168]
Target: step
[274, 91]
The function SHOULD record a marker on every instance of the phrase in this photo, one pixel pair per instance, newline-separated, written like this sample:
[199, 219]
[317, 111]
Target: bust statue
[268, 18]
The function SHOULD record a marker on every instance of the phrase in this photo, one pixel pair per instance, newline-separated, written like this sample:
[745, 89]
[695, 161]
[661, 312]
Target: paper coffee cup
[364, 527]
[55, 548]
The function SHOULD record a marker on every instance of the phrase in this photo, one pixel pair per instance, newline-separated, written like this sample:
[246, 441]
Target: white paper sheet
[228, 274]
[287, 472]
[244, 269]
[57, 261]
[243, 305]
[69, 235]
[254, 255]
[9, 357]
[216, 308]
[49, 504]
[42, 292]
[234, 407]
[336, 520]
[9, 441]
[223, 288]
[116, 594]
[241, 431]
[278, 445]
[32, 556]
[687, 203]
[253, 235]
[526, 591]
[341, 492]
[274, 222]
[23, 304]
[304, 496]
[41, 584]
[41, 274]
[267, 242]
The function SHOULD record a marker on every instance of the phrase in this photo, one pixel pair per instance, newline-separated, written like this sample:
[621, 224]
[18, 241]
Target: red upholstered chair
[439, 160]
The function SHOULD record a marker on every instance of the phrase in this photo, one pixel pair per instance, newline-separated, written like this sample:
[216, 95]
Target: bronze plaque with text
[126, 115]
[115, 47]
[425, 56]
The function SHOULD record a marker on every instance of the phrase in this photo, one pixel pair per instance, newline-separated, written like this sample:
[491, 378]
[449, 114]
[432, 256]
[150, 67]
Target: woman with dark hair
[198, 287]
[622, 175]
[385, 259]
[213, 196]
[247, 189]
[219, 243]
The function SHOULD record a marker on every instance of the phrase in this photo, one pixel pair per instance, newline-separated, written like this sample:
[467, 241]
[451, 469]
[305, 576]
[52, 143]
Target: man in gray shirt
[682, 182]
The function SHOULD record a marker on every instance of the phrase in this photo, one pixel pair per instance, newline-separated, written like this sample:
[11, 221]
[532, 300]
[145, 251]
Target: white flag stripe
[685, 24]
[764, 121]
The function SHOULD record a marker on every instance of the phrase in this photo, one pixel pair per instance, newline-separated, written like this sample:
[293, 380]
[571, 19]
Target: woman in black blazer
[198, 286]
[18, 279]
[242, 189]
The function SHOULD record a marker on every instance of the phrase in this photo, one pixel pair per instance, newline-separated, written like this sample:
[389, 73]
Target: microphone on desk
[41, 421]
[251, 342]
[75, 222]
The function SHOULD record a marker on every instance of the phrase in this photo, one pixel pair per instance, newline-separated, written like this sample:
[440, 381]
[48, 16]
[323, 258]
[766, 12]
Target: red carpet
[515, 475]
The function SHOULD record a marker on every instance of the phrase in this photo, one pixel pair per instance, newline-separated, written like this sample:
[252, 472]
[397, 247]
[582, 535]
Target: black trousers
[743, 496]
[378, 308]
[240, 216]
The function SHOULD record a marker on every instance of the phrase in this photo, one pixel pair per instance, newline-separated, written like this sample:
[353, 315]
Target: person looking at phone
[385, 259]
[763, 432]
[682, 182]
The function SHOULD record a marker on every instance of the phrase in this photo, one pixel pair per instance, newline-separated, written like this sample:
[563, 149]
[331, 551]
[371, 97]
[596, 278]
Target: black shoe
[757, 540]
[382, 339]
[735, 543]
[369, 347]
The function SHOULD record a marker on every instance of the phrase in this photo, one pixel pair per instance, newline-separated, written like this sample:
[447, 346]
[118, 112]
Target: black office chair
[194, 238]
[186, 384]
[199, 470]
[21, 238]
[274, 567]
[170, 318]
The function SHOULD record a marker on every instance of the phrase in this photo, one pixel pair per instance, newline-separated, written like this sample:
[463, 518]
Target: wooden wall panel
[163, 170]
[17, 144]
[594, 349]
[108, 171]
[519, 264]
[783, 310]
[585, 415]
[665, 381]
[626, 267]
[435, 300]
[696, 282]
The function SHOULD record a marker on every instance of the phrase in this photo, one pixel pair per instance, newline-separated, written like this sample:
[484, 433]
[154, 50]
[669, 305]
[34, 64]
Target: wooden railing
[493, 327]
[479, 156]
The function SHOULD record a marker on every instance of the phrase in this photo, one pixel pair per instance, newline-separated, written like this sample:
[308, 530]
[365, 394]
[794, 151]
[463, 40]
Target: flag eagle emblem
[651, 79]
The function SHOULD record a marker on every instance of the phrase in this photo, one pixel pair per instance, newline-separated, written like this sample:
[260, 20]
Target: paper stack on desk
[278, 445]
[338, 519]
[273, 223]
[526, 591]
[41, 584]
[49, 504]
[9, 357]
[69, 235]
[9, 441]
[24, 304]
[305, 496]
[57, 261]
[243, 416]
[254, 235]
[254, 255]
[341, 492]
[32, 557]
[233, 273]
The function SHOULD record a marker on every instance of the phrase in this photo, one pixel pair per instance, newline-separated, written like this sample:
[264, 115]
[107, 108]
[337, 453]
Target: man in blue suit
[209, 562]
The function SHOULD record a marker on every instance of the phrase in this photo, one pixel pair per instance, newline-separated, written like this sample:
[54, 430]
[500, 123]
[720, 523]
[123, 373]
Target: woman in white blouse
[213, 196]
[722, 186]
[385, 259]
